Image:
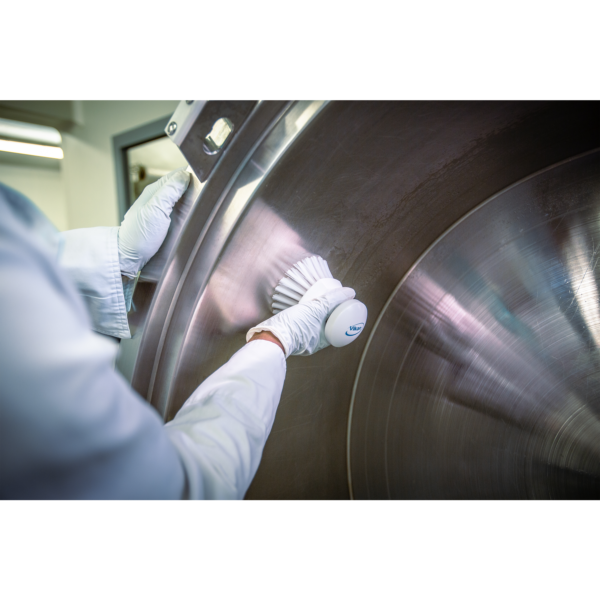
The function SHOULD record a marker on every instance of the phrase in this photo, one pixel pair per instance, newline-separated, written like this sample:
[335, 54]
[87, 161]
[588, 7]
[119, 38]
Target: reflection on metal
[485, 358]
[480, 378]
[238, 304]
[234, 304]
[218, 135]
[263, 258]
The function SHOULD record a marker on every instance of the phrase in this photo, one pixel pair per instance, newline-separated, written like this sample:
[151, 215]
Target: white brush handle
[346, 323]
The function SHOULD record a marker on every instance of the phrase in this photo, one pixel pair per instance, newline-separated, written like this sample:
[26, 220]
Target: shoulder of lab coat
[221, 430]
[91, 258]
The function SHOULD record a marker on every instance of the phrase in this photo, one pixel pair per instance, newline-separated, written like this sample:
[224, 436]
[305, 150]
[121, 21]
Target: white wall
[88, 169]
[83, 191]
[43, 186]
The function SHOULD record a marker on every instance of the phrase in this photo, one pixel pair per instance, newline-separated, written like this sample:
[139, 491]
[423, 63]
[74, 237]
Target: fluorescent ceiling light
[29, 132]
[31, 149]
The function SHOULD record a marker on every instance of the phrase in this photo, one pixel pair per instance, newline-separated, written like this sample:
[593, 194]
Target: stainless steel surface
[196, 146]
[234, 303]
[369, 187]
[482, 376]
[183, 118]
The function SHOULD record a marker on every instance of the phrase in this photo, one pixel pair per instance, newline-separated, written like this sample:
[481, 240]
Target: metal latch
[203, 129]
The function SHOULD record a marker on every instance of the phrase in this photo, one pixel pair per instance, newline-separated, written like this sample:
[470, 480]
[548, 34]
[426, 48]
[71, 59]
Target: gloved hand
[301, 328]
[146, 223]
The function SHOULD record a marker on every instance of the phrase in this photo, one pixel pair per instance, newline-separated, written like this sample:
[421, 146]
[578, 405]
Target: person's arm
[103, 262]
[221, 430]
[268, 337]
[71, 427]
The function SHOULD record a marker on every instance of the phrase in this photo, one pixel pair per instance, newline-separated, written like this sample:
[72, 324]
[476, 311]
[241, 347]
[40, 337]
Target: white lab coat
[70, 425]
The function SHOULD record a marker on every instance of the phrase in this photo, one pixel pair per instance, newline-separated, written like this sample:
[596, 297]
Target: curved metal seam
[194, 252]
[224, 196]
[409, 273]
[234, 181]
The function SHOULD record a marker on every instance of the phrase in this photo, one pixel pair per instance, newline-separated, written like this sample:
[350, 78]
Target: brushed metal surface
[192, 146]
[482, 376]
[369, 186]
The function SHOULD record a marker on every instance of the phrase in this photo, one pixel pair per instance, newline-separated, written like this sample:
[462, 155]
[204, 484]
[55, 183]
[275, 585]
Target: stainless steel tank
[471, 230]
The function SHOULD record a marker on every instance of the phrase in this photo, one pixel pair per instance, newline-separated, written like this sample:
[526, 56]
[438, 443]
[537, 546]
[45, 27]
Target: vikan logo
[354, 329]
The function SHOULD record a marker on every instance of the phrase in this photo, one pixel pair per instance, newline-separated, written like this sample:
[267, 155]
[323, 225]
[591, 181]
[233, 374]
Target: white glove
[301, 328]
[146, 223]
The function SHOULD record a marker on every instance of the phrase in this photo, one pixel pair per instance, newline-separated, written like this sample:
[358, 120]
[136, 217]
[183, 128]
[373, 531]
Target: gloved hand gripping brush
[313, 310]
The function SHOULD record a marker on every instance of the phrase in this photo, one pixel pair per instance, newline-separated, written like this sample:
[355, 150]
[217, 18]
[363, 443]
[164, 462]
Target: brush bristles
[298, 280]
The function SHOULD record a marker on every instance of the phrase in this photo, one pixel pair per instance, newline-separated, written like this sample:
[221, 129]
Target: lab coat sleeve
[91, 258]
[221, 430]
[70, 426]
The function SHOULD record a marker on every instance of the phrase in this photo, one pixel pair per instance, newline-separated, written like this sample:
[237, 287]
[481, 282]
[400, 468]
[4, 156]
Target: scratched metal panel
[369, 186]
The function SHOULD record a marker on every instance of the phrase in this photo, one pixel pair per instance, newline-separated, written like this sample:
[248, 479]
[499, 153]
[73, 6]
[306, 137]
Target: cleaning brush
[309, 279]
[301, 278]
